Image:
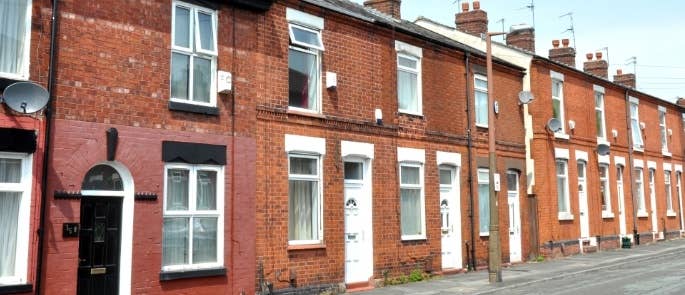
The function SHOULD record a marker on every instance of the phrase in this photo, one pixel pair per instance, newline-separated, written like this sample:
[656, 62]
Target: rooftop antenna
[501, 20]
[531, 6]
[573, 31]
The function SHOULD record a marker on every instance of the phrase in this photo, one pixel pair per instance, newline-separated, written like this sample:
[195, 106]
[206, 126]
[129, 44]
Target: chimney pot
[474, 22]
[627, 80]
[588, 56]
[476, 5]
[598, 67]
[389, 7]
[565, 42]
[465, 7]
[555, 43]
[598, 54]
[619, 72]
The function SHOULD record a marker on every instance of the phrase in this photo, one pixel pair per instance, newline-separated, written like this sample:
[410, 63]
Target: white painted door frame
[582, 200]
[450, 218]
[652, 200]
[514, 202]
[621, 201]
[358, 234]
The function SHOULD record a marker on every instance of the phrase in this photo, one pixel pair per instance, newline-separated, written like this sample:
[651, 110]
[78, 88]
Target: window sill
[306, 247]
[560, 135]
[414, 238]
[304, 112]
[642, 214]
[607, 214]
[193, 108]
[666, 154]
[13, 289]
[602, 140]
[671, 213]
[484, 234]
[638, 149]
[188, 274]
[484, 126]
[410, 114]
[565, 216]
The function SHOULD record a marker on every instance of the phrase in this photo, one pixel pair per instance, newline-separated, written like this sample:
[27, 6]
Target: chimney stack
[565, 55]
[389, 7]
[474, 22]
[680, 101]
[627, 80]
[522, 36]
[598, 67]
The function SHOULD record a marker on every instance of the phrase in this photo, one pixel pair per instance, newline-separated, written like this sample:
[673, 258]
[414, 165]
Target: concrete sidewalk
[533, 272]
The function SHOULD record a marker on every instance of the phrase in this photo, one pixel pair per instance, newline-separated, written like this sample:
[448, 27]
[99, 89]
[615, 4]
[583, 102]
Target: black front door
[99, 240]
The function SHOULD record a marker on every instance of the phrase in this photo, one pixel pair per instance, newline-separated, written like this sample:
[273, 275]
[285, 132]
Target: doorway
[514, 216]
[450, 219]
[358, 221]
[582, 202]
[621, 202]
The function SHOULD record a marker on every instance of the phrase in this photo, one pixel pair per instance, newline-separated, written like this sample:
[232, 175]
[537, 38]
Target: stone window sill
[188, 274]
[306, 247]
[565, 216]
[13, 289]
[607, 214]
[193, 108]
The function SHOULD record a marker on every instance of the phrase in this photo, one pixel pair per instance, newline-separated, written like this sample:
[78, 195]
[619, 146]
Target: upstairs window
[663, 130]
[600, 122]
[636, 134]
[481, 94]
[193, 54]
[558, 102]
[409, 78]
[304, 61]
[15, 37]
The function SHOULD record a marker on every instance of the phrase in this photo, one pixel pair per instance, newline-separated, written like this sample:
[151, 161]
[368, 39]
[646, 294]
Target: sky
[651, 31]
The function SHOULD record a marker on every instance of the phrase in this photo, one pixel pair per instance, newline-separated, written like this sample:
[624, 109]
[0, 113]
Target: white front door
[358, 234]
[652, 200]
[450, 218]
[621, 202]
[678, 175]
[514, 216]
[582, 202]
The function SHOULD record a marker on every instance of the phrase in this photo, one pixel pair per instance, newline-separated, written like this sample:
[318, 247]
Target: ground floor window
[15, 195]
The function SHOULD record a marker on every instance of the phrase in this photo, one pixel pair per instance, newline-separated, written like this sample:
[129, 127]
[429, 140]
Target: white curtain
[303, 219]
[175, 244]
[9, 217]
[561, 187]
[481, 108]
[13, 25]
[177, 189]
[204, 239]
[407, 91]
[484, 207]
[206, 190]
[635, 125]
[312, 87]
[411, 211]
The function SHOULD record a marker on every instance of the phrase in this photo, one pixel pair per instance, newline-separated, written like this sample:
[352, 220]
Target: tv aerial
[25, 97]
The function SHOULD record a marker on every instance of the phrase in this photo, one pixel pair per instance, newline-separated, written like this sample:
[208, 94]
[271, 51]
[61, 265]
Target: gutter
[46, 151]
[469, 152]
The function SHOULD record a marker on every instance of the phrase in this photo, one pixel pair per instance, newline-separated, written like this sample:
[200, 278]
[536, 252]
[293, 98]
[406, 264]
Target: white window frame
[560, 98]
[638, 143]
[668, 187]
[416, 71]
[663, 131]
[316, 51]
[24, 73]
[23, 225]
[194, 52]
[599, 93]
[607, 210]
[563, 215]
[484, 181]
[319, 211]
[422, 202]
[192, 212]
[640, 190]
[481, 90]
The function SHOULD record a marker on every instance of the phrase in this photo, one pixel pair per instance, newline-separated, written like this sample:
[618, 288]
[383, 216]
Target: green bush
[416, 276]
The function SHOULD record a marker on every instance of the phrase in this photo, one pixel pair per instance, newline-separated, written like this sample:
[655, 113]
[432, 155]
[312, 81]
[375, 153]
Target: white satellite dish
[525, 97]
[603, 149]
[25, 97]
[554, 125]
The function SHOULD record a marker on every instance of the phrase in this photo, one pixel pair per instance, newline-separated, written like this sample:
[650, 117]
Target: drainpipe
[632, 168]
[46, 147]
[469, 152]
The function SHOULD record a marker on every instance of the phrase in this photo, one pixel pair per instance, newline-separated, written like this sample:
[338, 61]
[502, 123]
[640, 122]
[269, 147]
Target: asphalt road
[648, 269]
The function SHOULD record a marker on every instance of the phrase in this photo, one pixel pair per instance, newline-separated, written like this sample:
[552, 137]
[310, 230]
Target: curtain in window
[599, 114]
[639, 191]
[635, 125]
[481, 108]
[484, 207]
[206, 190]
[177, 189]
[204, 239]
[411, 211]
[9, 219]
[179, 75]
[175, 244]
[303, 218]
[303, 79]
[561, 187]
[407, 91]
[202, 76]
[13, 25]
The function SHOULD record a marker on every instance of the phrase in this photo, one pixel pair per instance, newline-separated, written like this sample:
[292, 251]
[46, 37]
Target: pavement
[613, 271]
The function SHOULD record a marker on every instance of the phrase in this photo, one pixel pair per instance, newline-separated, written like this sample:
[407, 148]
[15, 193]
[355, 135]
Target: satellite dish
[603, 149]
[525, 97]
[554, 125]
[25, 97]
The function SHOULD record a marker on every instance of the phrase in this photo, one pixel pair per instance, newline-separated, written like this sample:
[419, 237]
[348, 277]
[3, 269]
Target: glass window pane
[581, 170]
[202, 79]
[556, 88]
[410, 175]
[303, 75]
[13, 43]
[175, 243]
[481, 84]
[561, 168]
[599, 100]
[10, 170]
[561, 193]
[102, 177]
[484, 207]
[603, 171]
[599, 123]
[303, 216]
[354, 170]
[306, 37]
[204, 23]
[306, 166]
[182, 27]
[9, 223]
[483, 176]
[407, 91]
[446, 176]
[204, 239]
[481, 108]
[179, 75]
[411, 211]
[206, 190]
[556, 109]
[512, 181]
[407, 62]
[177, 189]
